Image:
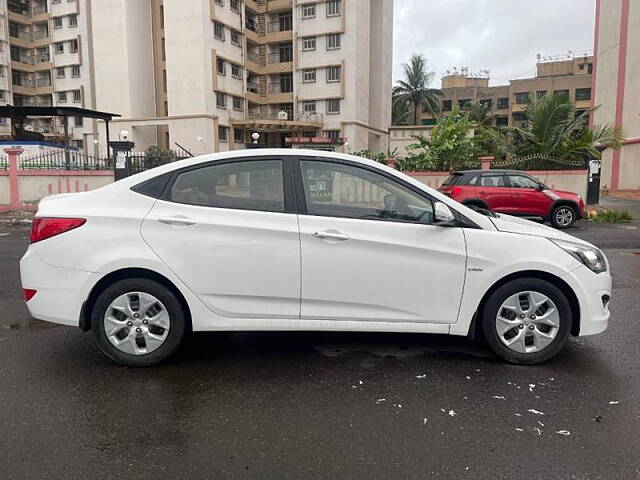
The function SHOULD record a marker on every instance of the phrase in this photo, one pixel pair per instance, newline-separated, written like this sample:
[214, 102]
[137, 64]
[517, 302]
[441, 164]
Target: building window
[218, 31]
[221, 100]
[561, 93]
[220, 67]
[447, 105]
[464, 102]
[62, 97]
[234, 5]
[583, 94]
[333, 74]
[309, 106]
[3, 97]
[333, 41]
[1, 71]
[79, 121]
[486, 102]
[309, 44]
[57, 22]
[235, 37]
[223, 133]
[75, 71]
[428, 121]
[60, 72]
[332, 134]
[521, 97]
[541, 93]
[503, 103]
[73, 46]
[308, 11]
[235, 70]
[73, 21]
[333, 106]
[309, 76]
[590, 68]
[519, 116]
[238, 136]
[220, 2]
[77, 96]
[59, 47]
[502, 120]
[333, 8]
[237, 103]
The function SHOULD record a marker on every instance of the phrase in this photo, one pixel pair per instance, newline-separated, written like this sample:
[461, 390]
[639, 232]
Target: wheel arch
[121, 274]
[476, 201]
[475, 330]
[564, 201]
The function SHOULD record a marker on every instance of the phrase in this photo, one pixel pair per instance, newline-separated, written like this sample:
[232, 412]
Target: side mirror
[541, 187]
[443, 214]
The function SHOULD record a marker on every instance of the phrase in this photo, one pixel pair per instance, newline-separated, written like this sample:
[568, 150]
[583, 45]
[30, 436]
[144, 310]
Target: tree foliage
[413, 92]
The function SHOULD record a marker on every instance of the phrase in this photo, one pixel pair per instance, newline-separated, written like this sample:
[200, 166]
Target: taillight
[456, 191]
[28, 293]
[43, 228]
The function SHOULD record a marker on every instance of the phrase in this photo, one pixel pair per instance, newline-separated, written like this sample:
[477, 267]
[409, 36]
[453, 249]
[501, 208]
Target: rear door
[370, 250]
[493, 190]
[230, 232]
[527, 196]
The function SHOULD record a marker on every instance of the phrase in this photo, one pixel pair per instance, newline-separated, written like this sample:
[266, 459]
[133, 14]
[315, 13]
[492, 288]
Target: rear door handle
[177, 221]
[330, 235]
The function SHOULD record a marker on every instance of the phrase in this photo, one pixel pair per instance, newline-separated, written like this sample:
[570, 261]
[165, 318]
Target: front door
[528, 197]
[370, 250]
[230, 234]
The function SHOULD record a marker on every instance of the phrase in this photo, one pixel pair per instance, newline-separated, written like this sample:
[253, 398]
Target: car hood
[508, 223]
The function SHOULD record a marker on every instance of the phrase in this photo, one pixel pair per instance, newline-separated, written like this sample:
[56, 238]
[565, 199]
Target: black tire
[559, 213]
[496, 300]
[177, 330]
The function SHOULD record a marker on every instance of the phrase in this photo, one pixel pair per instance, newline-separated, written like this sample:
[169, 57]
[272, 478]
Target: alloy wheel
[137, 323]
[564, 216]
[527, 322]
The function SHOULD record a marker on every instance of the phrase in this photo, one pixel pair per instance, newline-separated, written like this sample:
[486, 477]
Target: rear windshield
[454, 179]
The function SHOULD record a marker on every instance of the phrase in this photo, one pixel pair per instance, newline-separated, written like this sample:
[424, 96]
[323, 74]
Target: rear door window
[454, 179]
[492, 181]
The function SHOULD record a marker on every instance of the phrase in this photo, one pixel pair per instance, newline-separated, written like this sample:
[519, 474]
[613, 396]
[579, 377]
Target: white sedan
[302, 240]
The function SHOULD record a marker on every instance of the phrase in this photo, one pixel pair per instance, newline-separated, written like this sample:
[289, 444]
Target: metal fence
[539, 162]
[64, 160]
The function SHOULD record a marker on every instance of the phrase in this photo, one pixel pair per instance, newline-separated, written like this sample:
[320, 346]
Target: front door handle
[184, 221]
[330, 235]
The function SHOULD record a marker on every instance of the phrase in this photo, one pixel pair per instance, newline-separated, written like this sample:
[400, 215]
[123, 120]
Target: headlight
[590, 256]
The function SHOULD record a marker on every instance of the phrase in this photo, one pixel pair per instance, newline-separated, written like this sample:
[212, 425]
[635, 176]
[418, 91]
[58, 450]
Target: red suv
[515, 193]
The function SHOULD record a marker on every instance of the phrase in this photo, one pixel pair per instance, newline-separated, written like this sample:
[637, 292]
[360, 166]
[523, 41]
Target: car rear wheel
[527, 321]
[138, 322]
[563, 216]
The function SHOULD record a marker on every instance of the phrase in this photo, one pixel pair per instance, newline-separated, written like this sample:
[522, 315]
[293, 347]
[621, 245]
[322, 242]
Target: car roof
[488, 172]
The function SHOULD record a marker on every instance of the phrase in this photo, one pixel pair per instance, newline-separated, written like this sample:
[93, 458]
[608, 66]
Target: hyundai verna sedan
[303, 240]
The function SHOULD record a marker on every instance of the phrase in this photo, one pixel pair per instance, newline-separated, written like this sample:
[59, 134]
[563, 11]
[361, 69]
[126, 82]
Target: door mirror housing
[541, 187]
[443, 215]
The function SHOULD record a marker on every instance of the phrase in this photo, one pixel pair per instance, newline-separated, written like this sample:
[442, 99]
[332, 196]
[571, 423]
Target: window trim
[287, 182]
[301, 198]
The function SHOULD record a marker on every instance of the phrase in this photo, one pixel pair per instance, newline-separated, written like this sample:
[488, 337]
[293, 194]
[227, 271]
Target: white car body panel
[403, 285]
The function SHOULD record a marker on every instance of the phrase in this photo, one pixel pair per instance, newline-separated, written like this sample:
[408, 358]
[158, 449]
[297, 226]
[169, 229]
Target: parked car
[279, 239]
[516, 193]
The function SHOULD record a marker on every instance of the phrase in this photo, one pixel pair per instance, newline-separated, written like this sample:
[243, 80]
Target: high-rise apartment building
[45, 60]
[209, 74]
[554, 75]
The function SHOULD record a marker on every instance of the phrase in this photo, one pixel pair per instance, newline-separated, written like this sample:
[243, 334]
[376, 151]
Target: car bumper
[593, 292]
[60, 291]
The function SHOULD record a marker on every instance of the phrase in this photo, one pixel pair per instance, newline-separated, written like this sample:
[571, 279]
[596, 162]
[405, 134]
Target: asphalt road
[321, 406]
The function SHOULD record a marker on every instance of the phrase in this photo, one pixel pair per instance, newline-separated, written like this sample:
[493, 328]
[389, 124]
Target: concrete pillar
[486, 162]
[14, 159]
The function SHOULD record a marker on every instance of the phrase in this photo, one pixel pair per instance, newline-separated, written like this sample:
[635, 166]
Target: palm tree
[554, 129]
[399, 112]
[414, 88]
[480, 114]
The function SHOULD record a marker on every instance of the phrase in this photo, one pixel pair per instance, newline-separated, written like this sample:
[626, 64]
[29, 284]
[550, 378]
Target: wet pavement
[321, 406]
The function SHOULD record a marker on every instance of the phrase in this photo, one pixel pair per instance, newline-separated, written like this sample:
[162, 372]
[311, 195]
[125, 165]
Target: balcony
[278, 87]
[279, 121]
[281, 57]
[254, 57]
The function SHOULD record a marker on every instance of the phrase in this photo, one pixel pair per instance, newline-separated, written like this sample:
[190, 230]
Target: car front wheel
[138, 322]
[563, 216]
[527, 321]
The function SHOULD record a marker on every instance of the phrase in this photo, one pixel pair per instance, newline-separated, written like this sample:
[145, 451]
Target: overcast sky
[503, 36]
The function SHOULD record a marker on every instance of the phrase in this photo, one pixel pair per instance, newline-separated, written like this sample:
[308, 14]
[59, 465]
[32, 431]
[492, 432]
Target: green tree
[554, 129]
[156, 156]
[480, 114]
[413, 90]
[450, 146]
